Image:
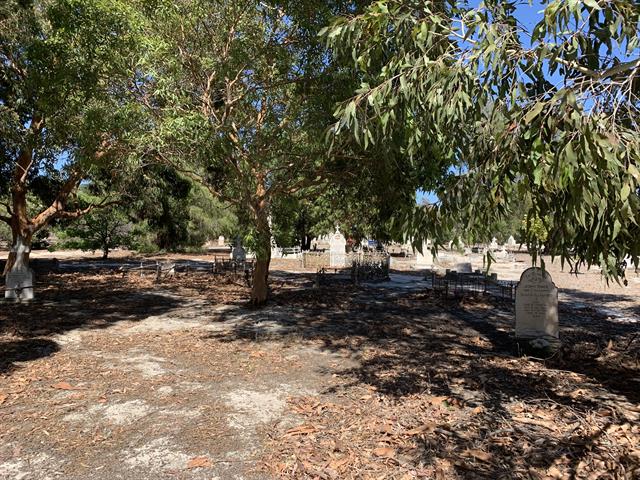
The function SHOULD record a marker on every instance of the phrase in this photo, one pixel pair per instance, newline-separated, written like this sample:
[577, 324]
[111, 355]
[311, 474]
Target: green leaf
[533, 113]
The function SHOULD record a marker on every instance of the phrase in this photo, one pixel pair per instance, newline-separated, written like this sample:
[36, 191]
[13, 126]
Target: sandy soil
[107, 376]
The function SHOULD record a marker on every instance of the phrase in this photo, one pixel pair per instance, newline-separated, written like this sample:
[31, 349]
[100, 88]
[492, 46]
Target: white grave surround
[19, 284]
[537, 306]
[337, 249]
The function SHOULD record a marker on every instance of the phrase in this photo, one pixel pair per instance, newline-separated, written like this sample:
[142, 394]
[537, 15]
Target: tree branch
[84, 211]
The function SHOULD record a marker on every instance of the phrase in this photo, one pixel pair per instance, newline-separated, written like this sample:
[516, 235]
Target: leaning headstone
[537, 310]
[19, 284]
[337, 249]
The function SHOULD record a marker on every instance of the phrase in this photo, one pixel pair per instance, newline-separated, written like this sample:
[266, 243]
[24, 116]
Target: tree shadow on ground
[70, 302]
[414, 345]
[26, 350]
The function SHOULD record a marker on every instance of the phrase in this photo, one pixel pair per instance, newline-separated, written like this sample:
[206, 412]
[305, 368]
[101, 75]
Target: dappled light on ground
[180, 378]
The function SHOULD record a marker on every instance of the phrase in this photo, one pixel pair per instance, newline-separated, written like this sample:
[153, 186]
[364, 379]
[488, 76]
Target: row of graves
[235, 267]
[535, 294]
[334, 263]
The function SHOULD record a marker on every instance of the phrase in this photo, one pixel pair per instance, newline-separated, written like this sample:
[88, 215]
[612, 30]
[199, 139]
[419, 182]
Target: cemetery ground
[106, 376]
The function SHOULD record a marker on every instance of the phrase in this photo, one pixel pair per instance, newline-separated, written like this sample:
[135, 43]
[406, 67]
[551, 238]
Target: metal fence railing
[456, 284]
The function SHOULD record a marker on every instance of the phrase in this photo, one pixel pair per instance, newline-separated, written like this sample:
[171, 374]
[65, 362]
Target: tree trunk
[18, 258]
[260, 287]
[21, 232]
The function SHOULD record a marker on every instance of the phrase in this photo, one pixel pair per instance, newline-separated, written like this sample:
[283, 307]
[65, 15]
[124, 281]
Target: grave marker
[537, 306]
[337, 249]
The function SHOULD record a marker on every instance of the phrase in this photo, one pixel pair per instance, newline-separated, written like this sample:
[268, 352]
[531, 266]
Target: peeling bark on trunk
[21, 231]
[18, 258]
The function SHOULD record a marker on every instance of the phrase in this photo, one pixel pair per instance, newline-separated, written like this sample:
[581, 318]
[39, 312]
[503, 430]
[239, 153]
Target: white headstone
[494, 244]
[536, 305]
[221, 241]
[511, 242]
[424, 259]
[19, 284]
[337, 249]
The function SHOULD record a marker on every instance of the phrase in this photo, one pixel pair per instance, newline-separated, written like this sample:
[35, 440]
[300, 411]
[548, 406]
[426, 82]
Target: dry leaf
[337, 464]
[300, 430]
[426, 428]
[199, 462]
[479, 455]
[63, 386]
[387, 452]
[435, 401]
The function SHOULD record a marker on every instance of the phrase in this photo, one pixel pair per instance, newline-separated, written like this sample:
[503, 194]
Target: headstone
[501, 254]
[511, 242]
[221, 241]
[337, 249]
[494, 244]
[19, 284]
[536, 306]
[238, 253]
[464, 267]
[424, 259]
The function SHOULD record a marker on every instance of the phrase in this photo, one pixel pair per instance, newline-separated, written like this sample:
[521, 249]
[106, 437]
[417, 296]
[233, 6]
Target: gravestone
[19, 284]
[238, 253]
[537, 309]
[337, 249]
[424, 259]
[494, 244]
[221, 241]
[464, 267]
[511, 242]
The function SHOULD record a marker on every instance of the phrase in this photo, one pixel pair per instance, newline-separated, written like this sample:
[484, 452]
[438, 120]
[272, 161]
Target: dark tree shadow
[24, 351]
[72, 302]
[457, 348]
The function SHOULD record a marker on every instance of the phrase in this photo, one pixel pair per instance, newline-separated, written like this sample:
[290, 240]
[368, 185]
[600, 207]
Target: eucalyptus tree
[546, 117]
[65, 69]
[242, 94]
